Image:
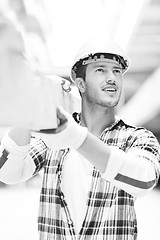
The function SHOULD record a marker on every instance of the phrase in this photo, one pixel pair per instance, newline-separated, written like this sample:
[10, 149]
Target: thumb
[61, 116]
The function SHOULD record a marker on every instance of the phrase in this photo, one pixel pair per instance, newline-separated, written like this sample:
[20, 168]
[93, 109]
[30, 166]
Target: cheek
[92, 80]
[92, 92]
[91, 86]
[119, 83]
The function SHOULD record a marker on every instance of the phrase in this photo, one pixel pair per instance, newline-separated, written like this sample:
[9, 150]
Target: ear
[80, 83]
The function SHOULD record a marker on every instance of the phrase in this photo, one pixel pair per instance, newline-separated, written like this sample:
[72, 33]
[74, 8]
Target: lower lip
[110, 93]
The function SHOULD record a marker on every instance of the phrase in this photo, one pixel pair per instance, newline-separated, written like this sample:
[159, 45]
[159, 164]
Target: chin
[111, 104]
[108, 104]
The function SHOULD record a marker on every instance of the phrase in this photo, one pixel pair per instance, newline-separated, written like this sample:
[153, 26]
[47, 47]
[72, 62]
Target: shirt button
[69, 222]
[62, 197]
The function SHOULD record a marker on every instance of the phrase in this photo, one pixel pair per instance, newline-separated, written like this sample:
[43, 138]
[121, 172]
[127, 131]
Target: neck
[97, 119]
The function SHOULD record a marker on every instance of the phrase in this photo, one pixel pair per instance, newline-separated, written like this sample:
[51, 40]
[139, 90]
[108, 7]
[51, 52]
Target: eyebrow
[104, 66]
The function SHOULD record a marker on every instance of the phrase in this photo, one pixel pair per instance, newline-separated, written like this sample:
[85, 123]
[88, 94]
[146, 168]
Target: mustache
[107, 85]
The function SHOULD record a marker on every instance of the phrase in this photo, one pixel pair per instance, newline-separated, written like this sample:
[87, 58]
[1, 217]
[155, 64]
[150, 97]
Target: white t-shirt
[76, 180]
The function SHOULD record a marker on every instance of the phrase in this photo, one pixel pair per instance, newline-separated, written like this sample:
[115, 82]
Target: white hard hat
[99, 50]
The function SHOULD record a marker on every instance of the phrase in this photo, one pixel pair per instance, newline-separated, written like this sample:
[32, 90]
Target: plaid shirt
[110, 213]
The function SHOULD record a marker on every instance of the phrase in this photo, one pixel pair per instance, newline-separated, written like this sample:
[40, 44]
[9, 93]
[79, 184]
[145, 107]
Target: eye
[99, 70]
[117, 71]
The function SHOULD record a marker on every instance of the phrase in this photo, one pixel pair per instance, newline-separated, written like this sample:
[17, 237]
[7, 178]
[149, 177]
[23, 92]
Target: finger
[48, 131]
[61, 115]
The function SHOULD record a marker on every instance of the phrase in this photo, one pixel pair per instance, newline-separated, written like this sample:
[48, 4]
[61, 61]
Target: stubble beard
[94, 102]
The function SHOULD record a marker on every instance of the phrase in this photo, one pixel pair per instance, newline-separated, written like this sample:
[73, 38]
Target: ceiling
[144, 48]
[134, 24]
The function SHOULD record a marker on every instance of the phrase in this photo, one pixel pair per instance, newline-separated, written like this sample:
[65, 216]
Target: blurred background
[52, 31]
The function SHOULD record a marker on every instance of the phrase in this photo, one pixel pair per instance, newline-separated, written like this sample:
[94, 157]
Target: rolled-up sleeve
[19, 163]
[137, 169]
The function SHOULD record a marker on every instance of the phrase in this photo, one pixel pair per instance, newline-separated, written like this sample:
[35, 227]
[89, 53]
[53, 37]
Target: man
[94, 166]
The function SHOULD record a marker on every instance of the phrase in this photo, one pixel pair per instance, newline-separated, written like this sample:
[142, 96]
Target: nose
[110, 77]
[110, 80]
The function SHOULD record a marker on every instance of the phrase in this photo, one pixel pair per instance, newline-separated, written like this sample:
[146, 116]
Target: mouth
[110, 89]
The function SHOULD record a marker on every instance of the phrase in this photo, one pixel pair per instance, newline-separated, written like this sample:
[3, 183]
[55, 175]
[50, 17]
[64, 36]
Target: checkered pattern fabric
[110, 213]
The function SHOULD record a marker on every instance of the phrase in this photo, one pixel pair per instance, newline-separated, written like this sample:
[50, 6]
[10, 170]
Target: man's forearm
[133, 174]
[95, 151]
[14, 164]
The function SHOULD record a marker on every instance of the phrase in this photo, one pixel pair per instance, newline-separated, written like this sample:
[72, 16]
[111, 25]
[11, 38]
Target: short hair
[81, 71]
